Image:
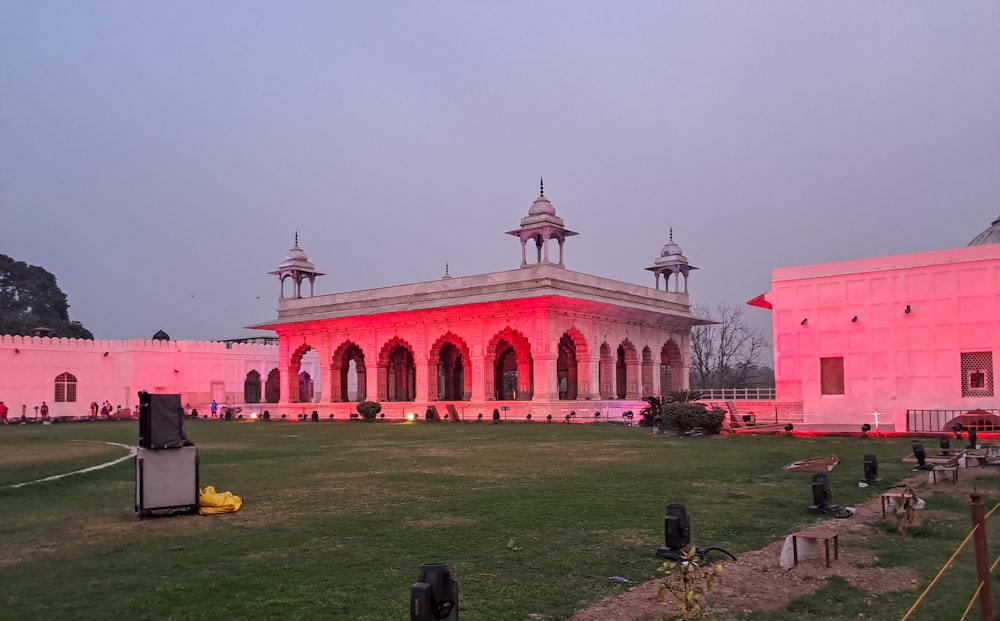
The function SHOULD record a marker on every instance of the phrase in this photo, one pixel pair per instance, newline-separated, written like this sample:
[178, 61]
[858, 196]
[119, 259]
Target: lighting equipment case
[166, 480]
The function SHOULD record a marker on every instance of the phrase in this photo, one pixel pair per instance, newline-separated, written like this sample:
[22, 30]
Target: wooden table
[952, 470]
[825, 536]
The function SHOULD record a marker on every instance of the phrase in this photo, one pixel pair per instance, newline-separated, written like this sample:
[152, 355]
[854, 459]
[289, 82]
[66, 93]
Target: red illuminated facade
[539, 339]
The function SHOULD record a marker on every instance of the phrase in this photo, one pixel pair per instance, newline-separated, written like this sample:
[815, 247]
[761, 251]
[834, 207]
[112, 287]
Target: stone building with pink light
[915, 337]
[533, 341]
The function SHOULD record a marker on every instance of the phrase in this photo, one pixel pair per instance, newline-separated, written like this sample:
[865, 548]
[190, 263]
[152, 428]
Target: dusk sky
[159, 157]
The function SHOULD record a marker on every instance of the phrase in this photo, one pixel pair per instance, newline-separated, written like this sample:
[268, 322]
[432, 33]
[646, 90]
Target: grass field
[531, 518]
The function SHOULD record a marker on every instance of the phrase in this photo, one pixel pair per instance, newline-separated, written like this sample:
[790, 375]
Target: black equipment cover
[161, 421]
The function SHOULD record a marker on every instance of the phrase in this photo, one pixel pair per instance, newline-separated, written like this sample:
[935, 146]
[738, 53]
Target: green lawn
[532, 519]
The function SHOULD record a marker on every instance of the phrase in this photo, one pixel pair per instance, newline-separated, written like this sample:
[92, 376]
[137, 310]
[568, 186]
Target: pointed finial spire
[671, 232]
[541, 186]
[296, 238]
[446, 274]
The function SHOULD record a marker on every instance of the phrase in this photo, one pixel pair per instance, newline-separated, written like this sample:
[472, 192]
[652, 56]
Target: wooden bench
[825, 536]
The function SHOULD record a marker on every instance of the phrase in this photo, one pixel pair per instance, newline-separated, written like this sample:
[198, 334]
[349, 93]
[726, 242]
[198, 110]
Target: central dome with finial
[542, 206]
[671, 251]
[296, 256]
[541, 210]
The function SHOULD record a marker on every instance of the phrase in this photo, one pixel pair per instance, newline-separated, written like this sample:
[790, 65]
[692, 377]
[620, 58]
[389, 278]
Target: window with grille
[66, 388]
[977, 374]
[831, 376]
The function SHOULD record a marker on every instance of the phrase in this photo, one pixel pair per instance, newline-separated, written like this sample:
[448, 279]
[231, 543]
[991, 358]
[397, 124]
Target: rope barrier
[972, 602]
[979, 587]
[940, 573]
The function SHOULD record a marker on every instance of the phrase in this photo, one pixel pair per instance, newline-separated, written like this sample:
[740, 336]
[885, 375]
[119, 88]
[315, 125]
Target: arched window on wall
[251, 388]
[65, 388]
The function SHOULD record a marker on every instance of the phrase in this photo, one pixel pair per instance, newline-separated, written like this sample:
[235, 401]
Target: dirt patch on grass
[755, 582]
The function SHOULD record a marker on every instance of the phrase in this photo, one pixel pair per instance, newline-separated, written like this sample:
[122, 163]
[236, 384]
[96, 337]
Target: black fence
[944, 420]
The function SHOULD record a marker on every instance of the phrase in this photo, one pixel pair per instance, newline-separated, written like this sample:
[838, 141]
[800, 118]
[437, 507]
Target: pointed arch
[300, 388]
[396, 371]
[347, 368]
[450, 368]
[646, 376]
[272, 387]
[572, 354]
[251, 387]
[671, 368]
[627, 371]
[509, 365]
[606, 372]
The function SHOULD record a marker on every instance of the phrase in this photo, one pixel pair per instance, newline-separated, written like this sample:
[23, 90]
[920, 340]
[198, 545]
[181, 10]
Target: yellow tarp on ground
[212, 502]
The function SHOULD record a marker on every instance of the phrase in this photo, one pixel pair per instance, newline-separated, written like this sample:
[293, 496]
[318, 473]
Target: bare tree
[724, 354]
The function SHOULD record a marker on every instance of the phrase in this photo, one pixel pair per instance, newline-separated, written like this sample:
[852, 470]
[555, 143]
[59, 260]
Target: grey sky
[158, 157]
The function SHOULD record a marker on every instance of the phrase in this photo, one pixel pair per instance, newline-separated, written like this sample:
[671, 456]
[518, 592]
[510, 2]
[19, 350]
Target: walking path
[130, 455]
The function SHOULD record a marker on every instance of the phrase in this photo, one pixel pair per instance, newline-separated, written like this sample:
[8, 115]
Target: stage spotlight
[865, 429]
[434, 597]
[871, 469]
[788, 428]
[921, 455]
[528, 417]
[480, 417]
[973, 436]
[548, 418]
[945, 446]
[957, 428]
[676, 532]
[821, 493]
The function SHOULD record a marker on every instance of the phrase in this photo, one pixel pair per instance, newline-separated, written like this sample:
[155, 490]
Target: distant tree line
[32, 303]
[727, 354]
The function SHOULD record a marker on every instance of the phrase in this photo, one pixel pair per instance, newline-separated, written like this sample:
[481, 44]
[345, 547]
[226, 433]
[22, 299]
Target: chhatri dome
[671, 252]
[990, 236]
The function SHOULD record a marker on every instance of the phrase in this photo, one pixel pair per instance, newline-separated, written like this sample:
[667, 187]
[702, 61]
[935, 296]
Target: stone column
[326, 381]
[546, 379]
[422, 393]
[478, 378]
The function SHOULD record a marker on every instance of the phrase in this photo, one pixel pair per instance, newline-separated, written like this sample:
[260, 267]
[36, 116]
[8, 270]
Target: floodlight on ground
[957, 428]
[822, 495]
[865, 429]
[528, 417]
[921, 455]
[548, 418]
[677, 536]
[945, 446]
[788, 428]
[973, 436]
[480, 417]
[871, 469]
[410, 416]
[434, 597]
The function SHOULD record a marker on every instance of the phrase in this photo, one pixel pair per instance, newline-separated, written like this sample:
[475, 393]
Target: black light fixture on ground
[822, 495]
[788, 428]
[945, 446]
[434, 597]
[677, 536]
[957, 428]
[865, 430]
[871, 469]
[921, 455]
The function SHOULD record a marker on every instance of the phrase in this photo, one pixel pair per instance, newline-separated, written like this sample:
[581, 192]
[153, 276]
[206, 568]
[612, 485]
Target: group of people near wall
[40, 411]
[105, 409]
